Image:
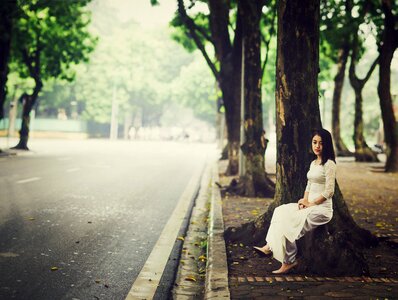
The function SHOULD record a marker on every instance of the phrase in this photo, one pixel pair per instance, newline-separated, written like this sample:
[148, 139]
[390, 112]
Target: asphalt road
[91, 209]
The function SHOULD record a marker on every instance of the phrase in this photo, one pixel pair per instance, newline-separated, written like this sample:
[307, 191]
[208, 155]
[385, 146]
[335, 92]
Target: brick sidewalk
[250, 275]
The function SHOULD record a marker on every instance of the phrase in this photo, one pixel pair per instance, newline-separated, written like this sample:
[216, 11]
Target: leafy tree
[362, 150]
[336, 30]
[49, 37]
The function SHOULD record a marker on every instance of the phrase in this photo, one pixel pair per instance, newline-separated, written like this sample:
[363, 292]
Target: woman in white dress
[291, 221]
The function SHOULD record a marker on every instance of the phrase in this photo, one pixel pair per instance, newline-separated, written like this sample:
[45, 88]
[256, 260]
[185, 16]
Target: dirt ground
[372, 198]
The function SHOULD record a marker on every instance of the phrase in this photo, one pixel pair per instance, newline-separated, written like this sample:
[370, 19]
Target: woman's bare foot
[285, 268]
[265, 249]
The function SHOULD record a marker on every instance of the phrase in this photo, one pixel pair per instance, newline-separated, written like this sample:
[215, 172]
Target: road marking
[8, 254]
[29, 180]
[72, 170]
[146, 283]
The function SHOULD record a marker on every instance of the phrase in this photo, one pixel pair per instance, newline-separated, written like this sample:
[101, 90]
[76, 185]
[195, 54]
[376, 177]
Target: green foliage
[56, 33]
[181, 33]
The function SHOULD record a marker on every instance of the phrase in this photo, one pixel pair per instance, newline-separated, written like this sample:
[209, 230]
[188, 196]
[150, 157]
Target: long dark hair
[327, 145]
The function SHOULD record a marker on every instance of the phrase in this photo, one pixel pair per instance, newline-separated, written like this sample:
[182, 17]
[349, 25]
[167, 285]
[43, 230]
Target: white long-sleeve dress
[288, 220]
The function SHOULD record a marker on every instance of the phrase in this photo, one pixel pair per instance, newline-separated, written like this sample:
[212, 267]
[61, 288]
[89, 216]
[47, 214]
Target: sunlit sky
[144, 13]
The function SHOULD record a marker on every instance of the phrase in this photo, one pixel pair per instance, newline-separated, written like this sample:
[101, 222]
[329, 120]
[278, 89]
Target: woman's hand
[304, 203]
[301, 204]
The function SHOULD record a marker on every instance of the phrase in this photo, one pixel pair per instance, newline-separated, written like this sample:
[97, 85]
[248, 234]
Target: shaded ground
[372, 197]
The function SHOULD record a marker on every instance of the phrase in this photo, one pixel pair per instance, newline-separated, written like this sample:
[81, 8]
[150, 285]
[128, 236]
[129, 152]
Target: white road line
[29, 180]
[146, 283]
[72, 170]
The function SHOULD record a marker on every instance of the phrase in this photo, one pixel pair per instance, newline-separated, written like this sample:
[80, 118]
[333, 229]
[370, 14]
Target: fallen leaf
[181, 238]
[97, 281]
[202, 258]
[54, 269]
[190, 278]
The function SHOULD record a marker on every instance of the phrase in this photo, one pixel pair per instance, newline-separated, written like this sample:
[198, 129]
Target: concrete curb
[217, 267]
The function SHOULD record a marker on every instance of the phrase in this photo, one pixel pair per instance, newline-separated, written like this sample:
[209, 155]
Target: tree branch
[28, 61]
[203, 33]
[191, 28]
[364, 80]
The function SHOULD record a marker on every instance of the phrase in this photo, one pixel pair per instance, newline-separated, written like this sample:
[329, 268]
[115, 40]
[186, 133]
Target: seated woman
[291, 221]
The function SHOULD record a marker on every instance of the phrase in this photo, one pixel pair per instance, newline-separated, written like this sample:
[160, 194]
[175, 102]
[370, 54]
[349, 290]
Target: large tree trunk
[254, 182]
[231, 93]
[388, 46]
[341, 148]
[362, 150]
[338, 244]
[228, 54]
[7, 14]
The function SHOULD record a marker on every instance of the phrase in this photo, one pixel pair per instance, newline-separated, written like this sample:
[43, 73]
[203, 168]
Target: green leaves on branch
[54, 37]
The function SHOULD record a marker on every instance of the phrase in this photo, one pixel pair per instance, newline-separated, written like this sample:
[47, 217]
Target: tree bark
[7, 15]
[229, 56]
[341, 148]
[28, 101]
[254, 182]
[387, 48]
[336, 247]
[362, 150]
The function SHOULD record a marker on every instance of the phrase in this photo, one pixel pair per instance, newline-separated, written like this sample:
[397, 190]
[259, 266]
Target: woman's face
[317, 145]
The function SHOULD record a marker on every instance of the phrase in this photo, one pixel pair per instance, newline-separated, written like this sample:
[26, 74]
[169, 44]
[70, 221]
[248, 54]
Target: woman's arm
[330, 174]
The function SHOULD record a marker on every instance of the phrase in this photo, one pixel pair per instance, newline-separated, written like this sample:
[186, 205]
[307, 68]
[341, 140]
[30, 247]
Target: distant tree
[49, 37]
[362, 150]
[8, 12]
[336, 24]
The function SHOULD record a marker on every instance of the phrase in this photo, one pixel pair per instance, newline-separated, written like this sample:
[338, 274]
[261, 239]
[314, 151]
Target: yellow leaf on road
[202, 258]
[190, 278]
[54, 269]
